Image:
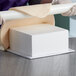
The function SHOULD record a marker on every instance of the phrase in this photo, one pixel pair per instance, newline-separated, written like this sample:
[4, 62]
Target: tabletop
[61, 65]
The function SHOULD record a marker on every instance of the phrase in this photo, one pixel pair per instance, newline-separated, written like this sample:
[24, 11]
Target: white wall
[73, 25]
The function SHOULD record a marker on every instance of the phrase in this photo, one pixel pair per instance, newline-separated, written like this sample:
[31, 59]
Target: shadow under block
[36, 41]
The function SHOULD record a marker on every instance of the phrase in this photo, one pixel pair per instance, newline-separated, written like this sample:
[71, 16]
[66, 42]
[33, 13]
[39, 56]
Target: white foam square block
[36, 41]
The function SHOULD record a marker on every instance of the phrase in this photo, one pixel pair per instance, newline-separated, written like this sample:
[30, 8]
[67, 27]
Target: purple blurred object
[6, 4]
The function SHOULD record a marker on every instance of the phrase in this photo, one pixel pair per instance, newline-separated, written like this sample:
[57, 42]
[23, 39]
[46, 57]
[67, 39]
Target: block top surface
[38, 29]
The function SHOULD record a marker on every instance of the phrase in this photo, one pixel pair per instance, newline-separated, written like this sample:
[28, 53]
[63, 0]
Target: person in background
[6, 4]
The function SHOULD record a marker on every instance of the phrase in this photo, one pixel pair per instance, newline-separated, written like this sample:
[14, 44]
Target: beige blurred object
[71, 12]
[1, 47]
[41, 10]
[0, 20]
[37, 16]
[61, 1]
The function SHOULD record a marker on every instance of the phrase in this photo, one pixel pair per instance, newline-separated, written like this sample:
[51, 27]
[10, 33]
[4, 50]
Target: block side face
[46, 44]
[32, 45]
[20, 43]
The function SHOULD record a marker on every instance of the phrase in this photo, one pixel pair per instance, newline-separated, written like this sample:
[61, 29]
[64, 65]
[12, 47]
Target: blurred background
[67, 23]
